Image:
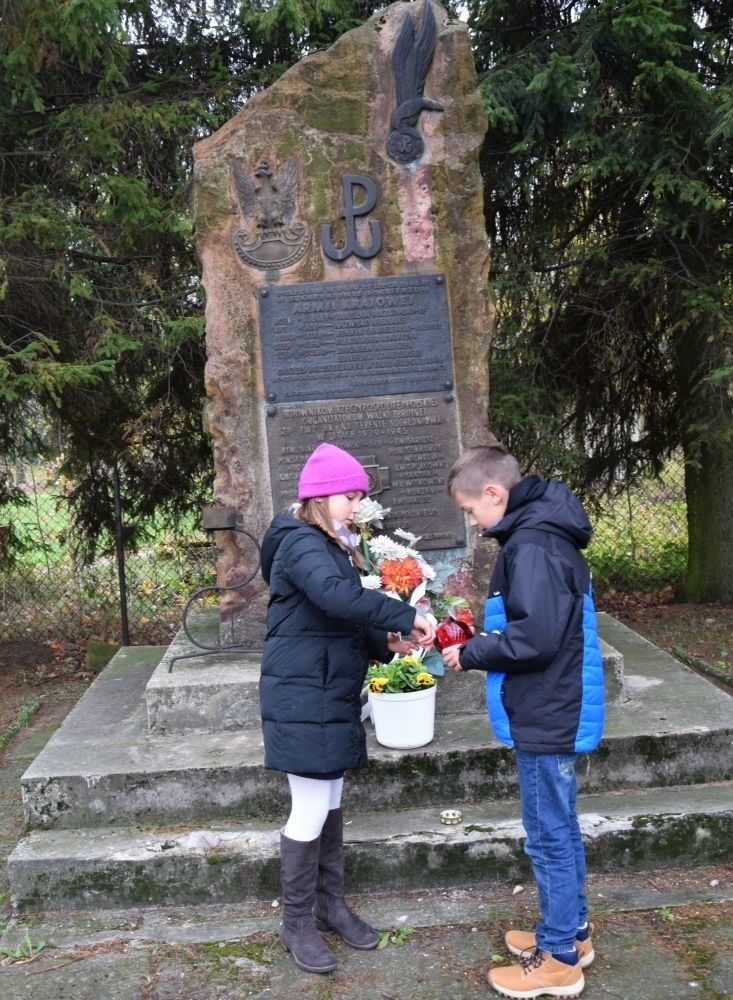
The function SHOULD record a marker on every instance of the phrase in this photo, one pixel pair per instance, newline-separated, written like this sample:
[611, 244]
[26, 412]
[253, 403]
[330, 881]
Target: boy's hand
[451, 656]
[423, 632]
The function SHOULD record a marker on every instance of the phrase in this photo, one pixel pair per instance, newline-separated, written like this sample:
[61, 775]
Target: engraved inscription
[414, 437]
[341, 339]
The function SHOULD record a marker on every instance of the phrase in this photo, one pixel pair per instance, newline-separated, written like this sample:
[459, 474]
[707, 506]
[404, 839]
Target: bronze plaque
[407, 444]
[344, 339]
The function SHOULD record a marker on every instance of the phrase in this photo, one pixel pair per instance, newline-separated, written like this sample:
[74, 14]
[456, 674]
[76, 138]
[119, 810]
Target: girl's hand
[451, 656]
[423, 632]
[396, 644]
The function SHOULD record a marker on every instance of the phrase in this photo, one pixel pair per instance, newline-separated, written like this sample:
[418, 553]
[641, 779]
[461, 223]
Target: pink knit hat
[331, 470]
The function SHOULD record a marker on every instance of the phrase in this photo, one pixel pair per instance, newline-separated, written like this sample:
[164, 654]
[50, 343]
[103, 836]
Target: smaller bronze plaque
[406, 443]
[341, 339]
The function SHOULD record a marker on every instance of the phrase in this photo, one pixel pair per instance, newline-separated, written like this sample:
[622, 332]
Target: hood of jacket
[282, 525]
[543, 505]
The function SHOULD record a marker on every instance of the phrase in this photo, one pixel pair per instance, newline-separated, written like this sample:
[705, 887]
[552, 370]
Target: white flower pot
[403, 721]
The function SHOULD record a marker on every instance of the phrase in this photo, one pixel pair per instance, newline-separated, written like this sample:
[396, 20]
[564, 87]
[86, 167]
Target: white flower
[408, 536]
[373, 582]
[384, 547]
[371, 512]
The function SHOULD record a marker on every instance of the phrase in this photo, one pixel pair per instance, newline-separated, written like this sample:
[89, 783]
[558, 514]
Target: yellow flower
[424, 679]
[378, 684]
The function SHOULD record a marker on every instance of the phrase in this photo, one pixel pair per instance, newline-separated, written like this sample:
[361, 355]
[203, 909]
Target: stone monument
[339, 224]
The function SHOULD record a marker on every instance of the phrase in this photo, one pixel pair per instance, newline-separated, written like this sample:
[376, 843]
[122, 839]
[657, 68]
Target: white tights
[311, 801]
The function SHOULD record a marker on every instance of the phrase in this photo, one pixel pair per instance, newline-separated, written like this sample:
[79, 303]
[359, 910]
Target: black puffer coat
[323, 627]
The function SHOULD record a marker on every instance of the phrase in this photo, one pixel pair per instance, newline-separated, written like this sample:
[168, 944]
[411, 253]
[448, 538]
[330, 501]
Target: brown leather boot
[537, 975]
[331, 911]
[520, 941]
[298, 876]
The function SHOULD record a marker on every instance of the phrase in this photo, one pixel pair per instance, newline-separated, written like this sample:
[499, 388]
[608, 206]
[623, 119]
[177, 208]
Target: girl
[322, 629]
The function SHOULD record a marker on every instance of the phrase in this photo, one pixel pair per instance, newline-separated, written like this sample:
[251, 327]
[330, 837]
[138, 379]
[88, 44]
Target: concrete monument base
[119, 815]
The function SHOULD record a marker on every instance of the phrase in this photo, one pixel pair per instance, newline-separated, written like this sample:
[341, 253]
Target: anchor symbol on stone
[349, 184]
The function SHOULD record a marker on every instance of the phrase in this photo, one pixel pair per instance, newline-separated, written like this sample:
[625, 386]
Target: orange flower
[401, 575]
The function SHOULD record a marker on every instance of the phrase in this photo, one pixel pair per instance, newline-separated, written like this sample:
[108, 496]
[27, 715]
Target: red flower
[401, 575]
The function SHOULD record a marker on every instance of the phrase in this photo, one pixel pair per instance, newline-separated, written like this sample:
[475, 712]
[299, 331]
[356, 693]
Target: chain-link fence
[45, 592]
[640, 534]
[640, 543]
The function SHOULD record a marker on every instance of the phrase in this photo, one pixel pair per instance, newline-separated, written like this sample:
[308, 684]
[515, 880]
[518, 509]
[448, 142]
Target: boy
[544, 691]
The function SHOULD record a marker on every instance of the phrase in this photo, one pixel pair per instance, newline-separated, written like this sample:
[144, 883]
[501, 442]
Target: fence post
[120, 550]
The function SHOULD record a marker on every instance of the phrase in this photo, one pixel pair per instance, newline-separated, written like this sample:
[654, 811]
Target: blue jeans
[548, 790]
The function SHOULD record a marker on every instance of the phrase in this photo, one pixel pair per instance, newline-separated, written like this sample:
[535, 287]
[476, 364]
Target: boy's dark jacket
[540, 644]
[323, 627]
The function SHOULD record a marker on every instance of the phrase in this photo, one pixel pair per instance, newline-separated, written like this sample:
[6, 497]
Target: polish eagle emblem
[411, 59]
[274, 239]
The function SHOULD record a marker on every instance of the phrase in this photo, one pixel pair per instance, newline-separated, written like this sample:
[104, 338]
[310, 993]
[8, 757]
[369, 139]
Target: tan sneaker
[519, 941]
[538, 975]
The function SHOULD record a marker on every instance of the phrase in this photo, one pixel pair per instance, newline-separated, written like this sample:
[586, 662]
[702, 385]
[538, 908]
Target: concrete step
[103, 767]
[207, 691]
[201, 690]
[404, 849]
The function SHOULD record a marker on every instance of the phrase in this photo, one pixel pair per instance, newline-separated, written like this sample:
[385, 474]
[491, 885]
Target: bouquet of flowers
[395, 567]
[399, 569]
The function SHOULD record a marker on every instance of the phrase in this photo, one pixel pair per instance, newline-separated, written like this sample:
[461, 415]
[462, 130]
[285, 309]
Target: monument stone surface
[339, 224]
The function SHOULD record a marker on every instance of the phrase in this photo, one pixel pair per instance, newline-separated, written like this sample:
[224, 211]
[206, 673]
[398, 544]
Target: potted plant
[405, 688]
[402, 702]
